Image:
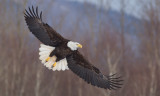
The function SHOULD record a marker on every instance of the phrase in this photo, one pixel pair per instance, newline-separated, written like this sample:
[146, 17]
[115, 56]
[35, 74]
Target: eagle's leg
[48, 59]
[51, 54]
[58, 59]
[54, 64]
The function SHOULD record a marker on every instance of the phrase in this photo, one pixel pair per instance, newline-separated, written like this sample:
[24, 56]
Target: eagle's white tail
[44, 54]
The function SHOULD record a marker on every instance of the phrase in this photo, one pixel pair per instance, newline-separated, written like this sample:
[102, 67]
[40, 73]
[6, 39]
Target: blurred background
[119, 36]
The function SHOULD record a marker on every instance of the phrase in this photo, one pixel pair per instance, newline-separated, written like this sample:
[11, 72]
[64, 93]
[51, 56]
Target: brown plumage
[41, 30]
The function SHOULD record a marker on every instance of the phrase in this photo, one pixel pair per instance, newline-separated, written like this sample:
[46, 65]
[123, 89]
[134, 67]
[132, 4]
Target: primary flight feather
[58, 53]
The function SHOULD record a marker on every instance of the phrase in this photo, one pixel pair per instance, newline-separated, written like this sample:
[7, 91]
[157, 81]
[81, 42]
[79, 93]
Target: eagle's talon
[54, 64]
[48, 59]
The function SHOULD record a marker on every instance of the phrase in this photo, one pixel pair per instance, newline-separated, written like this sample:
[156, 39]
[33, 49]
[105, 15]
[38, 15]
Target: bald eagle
[58, 53]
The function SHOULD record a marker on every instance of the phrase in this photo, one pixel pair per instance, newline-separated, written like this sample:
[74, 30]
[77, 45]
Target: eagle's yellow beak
[79, 45]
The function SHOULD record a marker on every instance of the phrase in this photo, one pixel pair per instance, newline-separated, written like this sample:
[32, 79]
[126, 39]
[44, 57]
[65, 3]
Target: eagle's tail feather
[44, 54]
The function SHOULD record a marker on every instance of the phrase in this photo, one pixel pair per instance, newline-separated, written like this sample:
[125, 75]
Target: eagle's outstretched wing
[42, 31]
[91, 74]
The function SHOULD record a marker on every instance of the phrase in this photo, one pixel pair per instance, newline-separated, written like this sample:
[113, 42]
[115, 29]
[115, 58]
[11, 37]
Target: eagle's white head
[74, 45]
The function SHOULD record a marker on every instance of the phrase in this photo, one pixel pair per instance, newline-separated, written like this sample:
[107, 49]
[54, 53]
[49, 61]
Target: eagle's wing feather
[42, 31]
[91, 74]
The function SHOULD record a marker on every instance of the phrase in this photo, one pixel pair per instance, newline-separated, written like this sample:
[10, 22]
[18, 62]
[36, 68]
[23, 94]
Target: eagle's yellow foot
[48, 59]
[54, 64]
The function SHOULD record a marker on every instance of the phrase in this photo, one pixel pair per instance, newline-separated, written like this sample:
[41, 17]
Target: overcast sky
[133, 7]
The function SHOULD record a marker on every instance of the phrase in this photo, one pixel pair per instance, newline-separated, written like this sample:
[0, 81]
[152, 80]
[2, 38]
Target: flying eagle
[58, 53]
